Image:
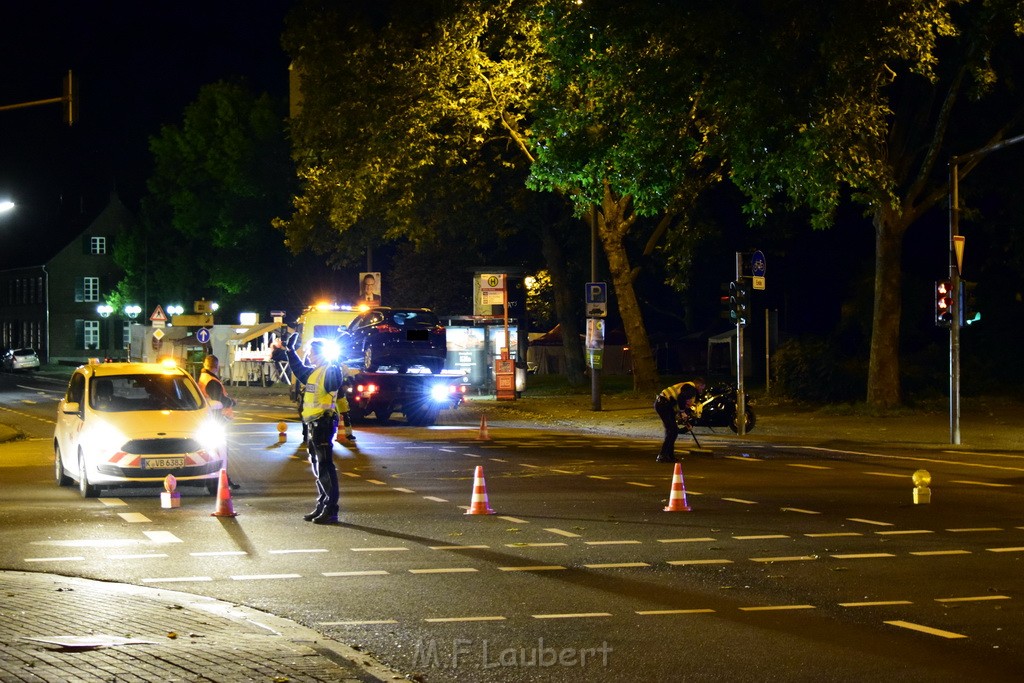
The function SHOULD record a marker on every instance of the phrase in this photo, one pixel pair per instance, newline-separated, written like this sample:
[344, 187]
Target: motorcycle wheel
[751, 421]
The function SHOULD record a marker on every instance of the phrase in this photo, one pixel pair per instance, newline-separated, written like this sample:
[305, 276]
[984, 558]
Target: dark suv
[398, 338]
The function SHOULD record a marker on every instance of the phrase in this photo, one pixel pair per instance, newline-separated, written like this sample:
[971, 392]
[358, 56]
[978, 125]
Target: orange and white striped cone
[483, 435]
[224, 506]
[478, 505]
[677, 499]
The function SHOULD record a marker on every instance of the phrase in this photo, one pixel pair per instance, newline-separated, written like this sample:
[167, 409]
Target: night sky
[138, 65]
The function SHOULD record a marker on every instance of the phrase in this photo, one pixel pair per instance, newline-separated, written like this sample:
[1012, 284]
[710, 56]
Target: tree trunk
[884, 363]
[613, 224]
[572, 347]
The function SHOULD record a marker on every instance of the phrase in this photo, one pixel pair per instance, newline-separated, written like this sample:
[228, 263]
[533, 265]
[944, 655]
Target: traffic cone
[677, 499]
[478, 505]
[483, 435]
[224, 506]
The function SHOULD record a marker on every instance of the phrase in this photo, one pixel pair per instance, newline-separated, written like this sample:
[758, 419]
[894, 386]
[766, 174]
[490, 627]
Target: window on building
[98, 245]
[91, 288]
[126, 334]
[91, 337]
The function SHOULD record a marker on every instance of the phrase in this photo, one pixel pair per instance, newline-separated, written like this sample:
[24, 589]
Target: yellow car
[132, 424]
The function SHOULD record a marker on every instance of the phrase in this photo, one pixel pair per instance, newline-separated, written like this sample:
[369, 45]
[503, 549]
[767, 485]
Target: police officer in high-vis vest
[322, 381]
[678, 398]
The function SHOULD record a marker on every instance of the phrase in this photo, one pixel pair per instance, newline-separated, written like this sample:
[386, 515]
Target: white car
[21, 359]
[132, 424]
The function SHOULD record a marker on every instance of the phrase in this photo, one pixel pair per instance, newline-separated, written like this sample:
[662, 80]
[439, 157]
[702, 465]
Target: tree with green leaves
[413, 128]
[623, 131]
[219, 178]
[866, 101]
[596, 101]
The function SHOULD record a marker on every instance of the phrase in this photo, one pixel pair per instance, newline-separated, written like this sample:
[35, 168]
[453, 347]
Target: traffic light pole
[741, 399]
[954, 277]
[955, 308]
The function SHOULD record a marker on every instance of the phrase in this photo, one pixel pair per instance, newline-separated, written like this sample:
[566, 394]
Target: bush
[814, 370]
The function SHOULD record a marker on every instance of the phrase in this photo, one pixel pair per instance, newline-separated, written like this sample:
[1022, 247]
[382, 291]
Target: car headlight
[439, 392]
[102, 437]
[211, 435]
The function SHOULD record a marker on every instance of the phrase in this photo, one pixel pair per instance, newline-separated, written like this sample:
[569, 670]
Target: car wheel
[368, 363]
[383, 416]
[60, 475]
[213, 486]
[87, 490]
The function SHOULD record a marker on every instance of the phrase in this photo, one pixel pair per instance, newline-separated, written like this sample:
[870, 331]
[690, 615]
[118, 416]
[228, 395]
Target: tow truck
[416, 393]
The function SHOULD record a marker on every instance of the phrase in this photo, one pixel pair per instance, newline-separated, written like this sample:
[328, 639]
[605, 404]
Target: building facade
[52, 307]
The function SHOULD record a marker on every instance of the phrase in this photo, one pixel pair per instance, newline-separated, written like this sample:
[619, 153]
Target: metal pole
[954, 326]
[595, 374]
[741, 407]
[767, 354]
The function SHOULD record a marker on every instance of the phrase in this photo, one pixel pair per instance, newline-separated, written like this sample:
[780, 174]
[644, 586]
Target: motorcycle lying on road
[716, 407]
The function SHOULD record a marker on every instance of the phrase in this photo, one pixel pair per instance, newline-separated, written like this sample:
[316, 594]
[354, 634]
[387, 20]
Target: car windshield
[24, 352]
[125, 393]
[413, 318]
[398, 318]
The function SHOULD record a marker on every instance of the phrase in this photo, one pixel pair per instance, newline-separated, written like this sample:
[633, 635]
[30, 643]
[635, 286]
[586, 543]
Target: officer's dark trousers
[321, 458]
[666, 410]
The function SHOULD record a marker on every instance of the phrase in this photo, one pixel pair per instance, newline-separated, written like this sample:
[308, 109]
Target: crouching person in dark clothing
[672, 401]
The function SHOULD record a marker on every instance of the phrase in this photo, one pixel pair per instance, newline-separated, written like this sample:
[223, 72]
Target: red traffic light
[943, 303]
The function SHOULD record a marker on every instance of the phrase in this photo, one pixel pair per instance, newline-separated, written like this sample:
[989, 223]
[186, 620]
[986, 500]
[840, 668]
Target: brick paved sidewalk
[171, 636]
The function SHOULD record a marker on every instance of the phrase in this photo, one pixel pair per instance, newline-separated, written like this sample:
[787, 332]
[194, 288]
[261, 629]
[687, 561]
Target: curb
[182, 636]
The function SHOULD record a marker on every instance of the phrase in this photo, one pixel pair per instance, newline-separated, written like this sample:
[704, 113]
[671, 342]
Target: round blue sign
[758, 265]
[203, 335]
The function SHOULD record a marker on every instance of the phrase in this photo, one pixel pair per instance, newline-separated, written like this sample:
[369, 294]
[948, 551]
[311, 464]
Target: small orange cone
[483, 435]
[677, 500]
[224, 506]
[478, 505]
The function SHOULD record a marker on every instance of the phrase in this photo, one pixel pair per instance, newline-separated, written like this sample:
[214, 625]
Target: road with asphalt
[795, 562]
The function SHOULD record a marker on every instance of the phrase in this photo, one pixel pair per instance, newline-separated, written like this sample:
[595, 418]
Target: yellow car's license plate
[162, 463]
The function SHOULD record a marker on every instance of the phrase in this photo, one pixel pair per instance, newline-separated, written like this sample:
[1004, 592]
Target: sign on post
[758, 267]
[158, 318]
[597, 299]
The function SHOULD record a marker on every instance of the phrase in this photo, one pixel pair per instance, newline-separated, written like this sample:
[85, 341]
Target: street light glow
[6, 205]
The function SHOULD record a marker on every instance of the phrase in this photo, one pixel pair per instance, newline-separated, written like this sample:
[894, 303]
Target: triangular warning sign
[958, 250]
[158, 315]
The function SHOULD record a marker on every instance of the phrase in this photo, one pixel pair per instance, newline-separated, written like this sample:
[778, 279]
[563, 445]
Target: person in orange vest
[669, 404]
[213, 388]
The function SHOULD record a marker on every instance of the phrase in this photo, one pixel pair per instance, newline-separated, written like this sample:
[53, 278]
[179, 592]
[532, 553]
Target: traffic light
[943, 303]
[969, 313]
[739, 302]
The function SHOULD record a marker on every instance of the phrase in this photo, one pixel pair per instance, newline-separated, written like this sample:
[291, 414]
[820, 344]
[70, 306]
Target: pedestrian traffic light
[943, 303]
[739, 302]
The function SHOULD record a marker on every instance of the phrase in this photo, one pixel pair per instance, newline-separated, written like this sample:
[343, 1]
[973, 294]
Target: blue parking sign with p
[597, 299]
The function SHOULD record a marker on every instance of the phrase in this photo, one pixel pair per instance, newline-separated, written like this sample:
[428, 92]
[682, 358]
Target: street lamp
[104, 310]
[132, 311]
[175, 309]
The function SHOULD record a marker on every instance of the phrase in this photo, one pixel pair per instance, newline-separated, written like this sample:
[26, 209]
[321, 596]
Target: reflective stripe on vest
[672, 392]
[316, 401]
